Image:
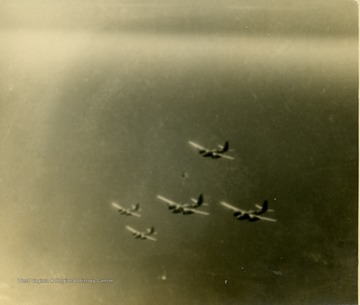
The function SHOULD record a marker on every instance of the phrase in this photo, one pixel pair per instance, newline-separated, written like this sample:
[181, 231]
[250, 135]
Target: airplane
[142, 235]
[163, 277]
[251, 215]
[129, 211]
[185, 208]
[215, 153]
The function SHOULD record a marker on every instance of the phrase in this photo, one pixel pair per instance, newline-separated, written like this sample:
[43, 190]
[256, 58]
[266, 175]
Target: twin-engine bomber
[250, 215]
[185, 208]
[129, 211]
[142, 235]
[214, 153]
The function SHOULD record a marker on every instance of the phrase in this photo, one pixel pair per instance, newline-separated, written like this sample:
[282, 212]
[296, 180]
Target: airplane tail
[225, 147]
[135, 207]
[150, 231]
[200, 200]
[264, 207]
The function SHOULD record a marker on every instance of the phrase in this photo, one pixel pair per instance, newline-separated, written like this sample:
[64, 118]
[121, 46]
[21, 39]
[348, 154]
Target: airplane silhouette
[214, 153]
[251, 215]
[142, 235]
[129, 211]
[185, 208]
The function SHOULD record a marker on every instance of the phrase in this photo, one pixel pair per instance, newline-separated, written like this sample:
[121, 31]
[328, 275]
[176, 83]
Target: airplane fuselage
[140, 235]
[245, 216]
[176, 209]
[125, 212]
[181, 209]
[214, 154]
[187, 212]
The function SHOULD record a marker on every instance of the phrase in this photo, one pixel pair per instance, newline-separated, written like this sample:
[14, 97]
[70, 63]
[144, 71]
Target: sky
[248, 17]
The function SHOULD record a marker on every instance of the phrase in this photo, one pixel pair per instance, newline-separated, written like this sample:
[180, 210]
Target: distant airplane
[163, 277]
[251, 215]
[129, 211]
[184, 208]
[214, 153]
[184, 175]
[142, 235]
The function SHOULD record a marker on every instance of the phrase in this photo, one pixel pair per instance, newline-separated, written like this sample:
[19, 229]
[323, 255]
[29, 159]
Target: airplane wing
[199, 212]
[266, 218]
[193, 144]
[231, 207]
[168, 201]
[226, 157]
[135, 214]
[151, 238]
[131, 230]
[115, 205]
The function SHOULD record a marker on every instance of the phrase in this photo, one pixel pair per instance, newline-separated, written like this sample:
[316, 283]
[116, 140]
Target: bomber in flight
[251, 215]
[214, 153]
[129, 211]
[142, 235]
[185, 208]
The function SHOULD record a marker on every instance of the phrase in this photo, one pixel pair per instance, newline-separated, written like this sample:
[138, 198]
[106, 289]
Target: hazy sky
[97, 102]
[290, 17]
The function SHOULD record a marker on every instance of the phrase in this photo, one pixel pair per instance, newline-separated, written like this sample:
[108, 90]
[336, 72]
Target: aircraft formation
[193, 207]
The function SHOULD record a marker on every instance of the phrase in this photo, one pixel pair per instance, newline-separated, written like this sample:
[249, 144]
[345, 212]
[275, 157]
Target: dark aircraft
[251, 215]
[215, 153]
[184, 208]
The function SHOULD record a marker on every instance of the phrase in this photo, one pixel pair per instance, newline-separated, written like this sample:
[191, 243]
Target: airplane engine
[187, 212]
[215, 156]
[176, 211]
[252, 219]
